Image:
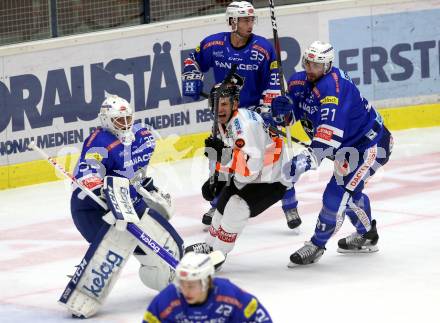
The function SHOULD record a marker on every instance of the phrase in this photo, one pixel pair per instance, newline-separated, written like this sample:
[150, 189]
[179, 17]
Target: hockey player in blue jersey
[256, 63]
[346, 128]
[120, 149]
[196, 296]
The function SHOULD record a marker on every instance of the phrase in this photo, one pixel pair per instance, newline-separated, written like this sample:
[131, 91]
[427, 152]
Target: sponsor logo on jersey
[298, 82]
[241, 66]
[100, 276]
[239, 143]
[324, 133]
[310, 109]
[251, 308]
[237, 126]
[330, 100]
[164, 314]
[113, 145]
[91, 182]
[262, 50]
[188, 61]
[137, 159]
[94, 155]
[235, 59]
[92, 137]
[229, 300]
[273, 65]
[213, 43]
[218, 53]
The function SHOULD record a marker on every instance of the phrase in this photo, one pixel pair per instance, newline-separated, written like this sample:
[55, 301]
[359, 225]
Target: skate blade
[369, 249]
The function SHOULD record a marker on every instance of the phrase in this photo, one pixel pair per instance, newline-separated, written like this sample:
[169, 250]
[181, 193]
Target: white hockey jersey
[256, 156]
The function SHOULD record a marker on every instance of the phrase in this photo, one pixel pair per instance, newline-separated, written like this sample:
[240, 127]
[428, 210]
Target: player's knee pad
[234, 219]
[236, 214]
[155, 273]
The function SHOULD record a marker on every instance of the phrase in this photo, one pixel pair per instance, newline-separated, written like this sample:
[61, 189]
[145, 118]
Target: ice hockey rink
[401, 283]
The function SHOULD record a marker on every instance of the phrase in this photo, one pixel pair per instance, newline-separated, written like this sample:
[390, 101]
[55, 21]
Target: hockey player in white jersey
[254, 159]
[256, 61]
[117, 149]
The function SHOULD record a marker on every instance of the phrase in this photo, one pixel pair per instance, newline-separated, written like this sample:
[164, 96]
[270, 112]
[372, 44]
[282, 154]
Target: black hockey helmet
[230, 89]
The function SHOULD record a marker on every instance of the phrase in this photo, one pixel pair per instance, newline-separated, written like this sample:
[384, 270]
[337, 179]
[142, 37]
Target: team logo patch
[330, 100]
[239, 143]
[273, 65]
[198, 49]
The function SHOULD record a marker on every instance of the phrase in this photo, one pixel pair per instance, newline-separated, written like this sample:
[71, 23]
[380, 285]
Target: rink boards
[50, 91]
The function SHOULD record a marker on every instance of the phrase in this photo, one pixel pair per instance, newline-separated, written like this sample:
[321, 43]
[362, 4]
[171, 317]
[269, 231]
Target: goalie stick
[140, 235]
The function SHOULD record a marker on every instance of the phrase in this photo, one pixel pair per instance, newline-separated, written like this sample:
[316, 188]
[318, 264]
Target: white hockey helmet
[320, 52]
[195, 266]
[116, 115]
[237, 9]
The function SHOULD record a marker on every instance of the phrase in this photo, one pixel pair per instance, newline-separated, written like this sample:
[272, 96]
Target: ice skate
[292, 218]
[306, 255]
[360, 243]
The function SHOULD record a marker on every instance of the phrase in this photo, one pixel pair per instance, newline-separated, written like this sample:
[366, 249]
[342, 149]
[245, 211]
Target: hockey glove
[213, 148]
[266, 114]
[192, 84]
[211, 190]
[301, 163]
[282, 106]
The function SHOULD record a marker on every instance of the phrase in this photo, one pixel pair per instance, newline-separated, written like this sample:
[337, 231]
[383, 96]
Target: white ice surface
[39, 246]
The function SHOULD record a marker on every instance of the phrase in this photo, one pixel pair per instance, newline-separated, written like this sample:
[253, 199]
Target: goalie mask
[193, 267]
[319, 52]
[116, 115]
[237, 9]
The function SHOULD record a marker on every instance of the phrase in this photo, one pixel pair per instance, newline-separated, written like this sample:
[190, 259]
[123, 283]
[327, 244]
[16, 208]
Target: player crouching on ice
[122, 150]
[197, 296]
[346, 128]
[254, 160]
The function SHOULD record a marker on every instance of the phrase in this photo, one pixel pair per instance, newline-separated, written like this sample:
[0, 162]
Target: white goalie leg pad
[154, 272]
[234, 220]
[98, 272]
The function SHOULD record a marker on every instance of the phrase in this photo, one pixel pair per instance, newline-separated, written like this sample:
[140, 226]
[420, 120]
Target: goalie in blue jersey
[118, 149]
[256, 63]
[197, 296]
[345, 127]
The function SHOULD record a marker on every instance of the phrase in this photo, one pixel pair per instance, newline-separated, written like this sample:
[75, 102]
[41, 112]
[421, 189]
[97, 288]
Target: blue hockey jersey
[256, 63]
[333, 112]
[104, 154]
[226, 303]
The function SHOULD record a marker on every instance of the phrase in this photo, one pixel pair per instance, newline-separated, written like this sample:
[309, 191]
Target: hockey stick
[216, 256]
[213, 178]
[280, 66]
